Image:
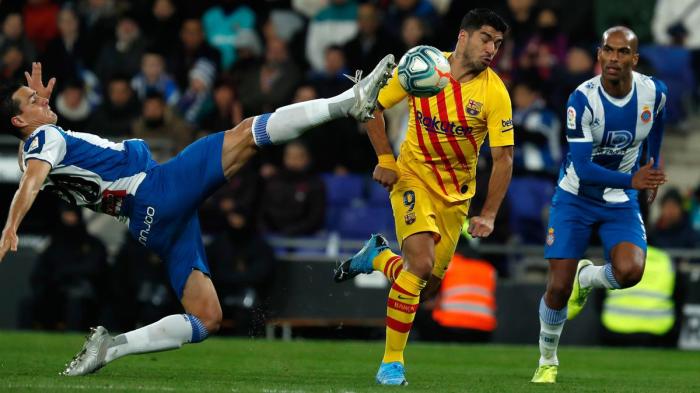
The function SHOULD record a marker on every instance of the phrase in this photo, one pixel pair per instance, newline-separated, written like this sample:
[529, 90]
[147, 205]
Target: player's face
[34, 110]
[617, 57]
[479, 47]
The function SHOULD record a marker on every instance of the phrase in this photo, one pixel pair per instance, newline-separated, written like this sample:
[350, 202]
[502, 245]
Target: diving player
[158, 202]
[609, 117]
[433, 180]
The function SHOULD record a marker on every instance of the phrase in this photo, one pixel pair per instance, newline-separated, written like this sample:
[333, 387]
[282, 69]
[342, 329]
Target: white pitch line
[90, 387]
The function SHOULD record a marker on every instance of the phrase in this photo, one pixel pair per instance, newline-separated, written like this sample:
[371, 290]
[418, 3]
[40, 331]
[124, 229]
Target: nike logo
[510, 129]
[406, 297]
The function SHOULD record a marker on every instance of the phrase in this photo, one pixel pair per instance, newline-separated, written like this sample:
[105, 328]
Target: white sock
[168, 333]
[288, 122]
[551, 326]
[598, 277]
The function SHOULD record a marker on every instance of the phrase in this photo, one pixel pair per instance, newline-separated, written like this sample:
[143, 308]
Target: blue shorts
[572, 218]
[163, 213]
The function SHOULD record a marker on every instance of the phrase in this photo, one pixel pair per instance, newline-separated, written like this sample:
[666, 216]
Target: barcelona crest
[473, 108]
[410, 218]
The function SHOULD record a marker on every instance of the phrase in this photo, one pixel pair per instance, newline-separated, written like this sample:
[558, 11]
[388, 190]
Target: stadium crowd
[171, 71]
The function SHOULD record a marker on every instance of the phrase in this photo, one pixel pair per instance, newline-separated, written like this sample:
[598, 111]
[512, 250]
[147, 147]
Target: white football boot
[367, 89]
[92, 357]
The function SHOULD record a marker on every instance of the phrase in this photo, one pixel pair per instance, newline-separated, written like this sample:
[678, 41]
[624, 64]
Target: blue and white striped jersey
[606, 136]
[87, 170]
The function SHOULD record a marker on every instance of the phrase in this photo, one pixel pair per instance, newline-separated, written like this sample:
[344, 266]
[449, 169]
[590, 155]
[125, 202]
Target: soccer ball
[423, 71]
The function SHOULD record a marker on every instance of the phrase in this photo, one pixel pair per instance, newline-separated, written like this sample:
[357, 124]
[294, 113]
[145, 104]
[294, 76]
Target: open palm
[34, 81]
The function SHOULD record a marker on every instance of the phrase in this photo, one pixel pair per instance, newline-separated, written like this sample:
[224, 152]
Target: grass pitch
[30, 362]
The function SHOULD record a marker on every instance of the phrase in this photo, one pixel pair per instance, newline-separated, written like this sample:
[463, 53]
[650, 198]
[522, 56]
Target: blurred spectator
[672, 229]
[119, 111]
[240, 195]
[99, 18]
[695, 210]
[371, 43]
[69, 278]
[309, 8]
[13, 35]
[72, 106]
[153, 77]
[340, 146]
[679, 17]
[190, 49]
[13, 65]
[577, 69]
[165, 131]
[332, 81]
[413, 33]
[294, 200]
[162, 25]
[333, 25]
[227, 112]
[537, 149]
[272, 84]
[545, 49]
[139, 287]
[521, 16]
[40, 22]
[635, 14]
[197, 101]
[221, 25]
[242, 266]
[123, 55]
[400, 10]
[249, 55]
[64, 56]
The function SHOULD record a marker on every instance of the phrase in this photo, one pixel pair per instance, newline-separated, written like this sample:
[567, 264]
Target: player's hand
[385, 176]
[34, 81]
[648, 178]
[8, 242]
[480, 226]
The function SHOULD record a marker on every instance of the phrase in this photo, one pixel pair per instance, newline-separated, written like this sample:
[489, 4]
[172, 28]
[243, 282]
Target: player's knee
[422, 267]
[211, 318]
[630, 275]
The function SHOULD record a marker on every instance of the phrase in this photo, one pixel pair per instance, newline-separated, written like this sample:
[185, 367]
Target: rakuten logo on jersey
[147, 222]
[435, 125]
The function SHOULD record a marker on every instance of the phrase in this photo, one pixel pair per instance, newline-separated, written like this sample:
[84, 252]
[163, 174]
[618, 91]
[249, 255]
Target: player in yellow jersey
[433, 180]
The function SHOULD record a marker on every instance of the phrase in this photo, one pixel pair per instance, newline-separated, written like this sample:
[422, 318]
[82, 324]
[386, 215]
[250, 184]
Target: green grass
[30, 362]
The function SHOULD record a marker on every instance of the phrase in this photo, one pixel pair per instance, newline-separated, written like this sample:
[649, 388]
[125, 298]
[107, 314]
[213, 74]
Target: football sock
[288, 122]
[402, 304]
[168, 333]
[388, 263]
[598, 277]
[551, 325]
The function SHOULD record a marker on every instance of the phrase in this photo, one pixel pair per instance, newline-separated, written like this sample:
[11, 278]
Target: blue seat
[377, 195]
[360, 222]
[527, 198]
[343, 190]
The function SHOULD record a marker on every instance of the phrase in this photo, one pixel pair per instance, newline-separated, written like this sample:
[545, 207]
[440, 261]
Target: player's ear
[635, 59]
[18, 121]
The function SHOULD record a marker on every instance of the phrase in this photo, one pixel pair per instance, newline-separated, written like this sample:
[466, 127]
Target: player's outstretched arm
[29, 187]
[386, 172]
[501, 172]
[35, 83]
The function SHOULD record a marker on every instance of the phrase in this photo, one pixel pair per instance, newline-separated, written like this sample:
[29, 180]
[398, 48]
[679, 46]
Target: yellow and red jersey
[446, 131]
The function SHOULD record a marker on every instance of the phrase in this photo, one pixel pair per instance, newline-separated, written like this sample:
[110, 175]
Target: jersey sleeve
[392, 93]
[499, 117]
[657, 129]
[47, 144]
[578, 118]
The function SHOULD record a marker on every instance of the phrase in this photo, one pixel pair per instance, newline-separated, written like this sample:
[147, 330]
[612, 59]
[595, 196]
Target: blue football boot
[362, 261]
[391, 373]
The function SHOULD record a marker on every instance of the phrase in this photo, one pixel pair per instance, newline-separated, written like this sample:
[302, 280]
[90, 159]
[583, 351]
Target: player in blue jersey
[609, 120]
[158, 202]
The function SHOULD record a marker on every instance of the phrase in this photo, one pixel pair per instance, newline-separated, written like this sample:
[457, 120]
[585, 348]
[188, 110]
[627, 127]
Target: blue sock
[260, 134]
[199, 332]
[611, 277]
[551, 316]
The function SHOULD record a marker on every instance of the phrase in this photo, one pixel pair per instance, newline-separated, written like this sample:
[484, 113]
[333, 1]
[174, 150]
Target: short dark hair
[474, 19]
[9, 107]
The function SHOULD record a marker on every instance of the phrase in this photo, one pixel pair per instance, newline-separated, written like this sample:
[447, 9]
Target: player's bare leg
[203, 317]
[628, 262]
[431, 288]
